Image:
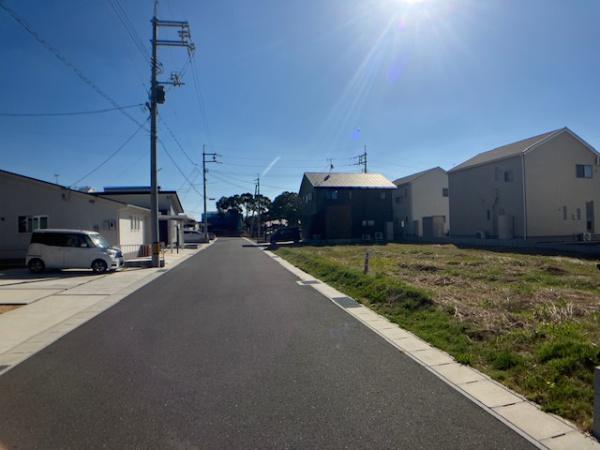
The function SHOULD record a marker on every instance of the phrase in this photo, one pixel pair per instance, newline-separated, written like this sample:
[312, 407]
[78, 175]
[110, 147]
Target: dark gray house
[346, 206]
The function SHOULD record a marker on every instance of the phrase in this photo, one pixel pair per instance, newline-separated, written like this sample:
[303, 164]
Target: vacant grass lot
[531, 322]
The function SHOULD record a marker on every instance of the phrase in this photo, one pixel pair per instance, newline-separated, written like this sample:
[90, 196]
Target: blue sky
[421, 84]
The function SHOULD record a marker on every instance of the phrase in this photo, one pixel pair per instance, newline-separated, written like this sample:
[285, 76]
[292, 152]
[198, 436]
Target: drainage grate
[346, 302]
[310, 282]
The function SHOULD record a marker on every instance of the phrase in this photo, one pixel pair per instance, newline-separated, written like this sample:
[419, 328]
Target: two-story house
[421, 204]
[343, 206]
[546, 187]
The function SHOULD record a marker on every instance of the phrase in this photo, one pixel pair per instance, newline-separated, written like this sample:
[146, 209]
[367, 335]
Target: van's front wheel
[36, 266]
[99, 266]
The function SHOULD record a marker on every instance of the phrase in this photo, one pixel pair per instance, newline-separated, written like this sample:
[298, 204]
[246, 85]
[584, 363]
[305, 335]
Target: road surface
[228, 351]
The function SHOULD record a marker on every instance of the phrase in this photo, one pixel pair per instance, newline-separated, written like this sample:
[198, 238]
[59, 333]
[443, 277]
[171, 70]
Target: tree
[225, 204]
[247, 201]
[286, 206]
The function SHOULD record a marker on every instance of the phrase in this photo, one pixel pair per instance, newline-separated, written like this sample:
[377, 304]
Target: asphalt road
[228, 351]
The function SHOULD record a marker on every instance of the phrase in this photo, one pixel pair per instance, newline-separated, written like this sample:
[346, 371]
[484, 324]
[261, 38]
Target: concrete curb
[544, 430]
[29, 347]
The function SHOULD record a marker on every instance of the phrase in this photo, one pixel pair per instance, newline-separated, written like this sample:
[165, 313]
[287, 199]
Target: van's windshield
[99, 240]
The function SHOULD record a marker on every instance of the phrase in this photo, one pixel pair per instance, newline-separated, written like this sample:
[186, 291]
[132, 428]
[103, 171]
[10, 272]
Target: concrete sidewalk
[58, 302]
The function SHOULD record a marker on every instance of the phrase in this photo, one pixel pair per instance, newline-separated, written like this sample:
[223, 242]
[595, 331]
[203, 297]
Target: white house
[421, 204]
[542, 188]
[28, 204]
[171, 218]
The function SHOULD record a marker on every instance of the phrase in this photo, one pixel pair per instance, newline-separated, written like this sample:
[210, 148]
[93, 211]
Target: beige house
[420, 204]
[28, 204]
[546, 187]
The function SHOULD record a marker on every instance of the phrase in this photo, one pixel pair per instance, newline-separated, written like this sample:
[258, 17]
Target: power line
[200, 100]
[73, 113]
[176, 140]
[112, 155]
[129, 28]
[162, 144]
[67, 63]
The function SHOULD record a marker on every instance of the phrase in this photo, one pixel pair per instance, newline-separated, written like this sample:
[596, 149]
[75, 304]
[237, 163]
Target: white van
[71, 249]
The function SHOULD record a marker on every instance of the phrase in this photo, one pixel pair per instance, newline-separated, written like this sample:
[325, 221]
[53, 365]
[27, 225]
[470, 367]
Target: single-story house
[171, 217]
[542, 188]
[421, 204]
[344, 206]
[28, 204]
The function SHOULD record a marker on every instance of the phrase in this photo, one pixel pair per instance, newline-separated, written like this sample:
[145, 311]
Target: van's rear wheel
[99, 266]
[36, 265]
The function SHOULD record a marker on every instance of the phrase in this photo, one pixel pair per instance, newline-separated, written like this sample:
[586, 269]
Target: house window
[444, 192]
[349, 195]
[508, 176]
[382, 195]
[332, 195]
[584, 171]
[398, 199]
[368, 223]
[565, 212]
[27, 224]
[578, 213]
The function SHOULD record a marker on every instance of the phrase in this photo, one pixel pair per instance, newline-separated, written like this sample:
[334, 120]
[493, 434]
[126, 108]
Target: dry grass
[499, 291]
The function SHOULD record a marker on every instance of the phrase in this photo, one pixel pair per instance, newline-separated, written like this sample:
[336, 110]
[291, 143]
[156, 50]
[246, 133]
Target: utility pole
[204, 172]
[157, 96]
[362, 160]
[257, 205]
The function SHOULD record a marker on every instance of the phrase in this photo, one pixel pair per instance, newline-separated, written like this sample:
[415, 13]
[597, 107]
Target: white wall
[427, 197]
[20, 196]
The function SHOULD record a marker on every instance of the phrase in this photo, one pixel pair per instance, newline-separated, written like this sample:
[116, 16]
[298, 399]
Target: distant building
[546, 187]
[171, 218]
[421, 204]
[28, 204]
[224, 223]
[343, 206]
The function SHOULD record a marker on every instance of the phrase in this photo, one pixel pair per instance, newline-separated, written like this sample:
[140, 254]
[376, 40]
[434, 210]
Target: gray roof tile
[506, 151]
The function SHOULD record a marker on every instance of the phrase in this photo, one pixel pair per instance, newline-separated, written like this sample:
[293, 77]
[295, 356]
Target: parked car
[71, 249]
[194, 237]
[286, 235]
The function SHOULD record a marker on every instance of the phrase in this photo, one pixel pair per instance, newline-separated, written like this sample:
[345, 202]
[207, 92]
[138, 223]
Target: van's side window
[76, 240]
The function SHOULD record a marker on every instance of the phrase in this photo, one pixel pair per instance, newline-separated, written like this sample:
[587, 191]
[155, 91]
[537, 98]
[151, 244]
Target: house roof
[64, 188]
[348, 180]
[510, 150]
[138, 190]
[414, 176]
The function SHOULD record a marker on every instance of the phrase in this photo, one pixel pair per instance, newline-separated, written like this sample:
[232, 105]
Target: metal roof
[65, 188]
[414, 176]
[349, 180]
[506, 151]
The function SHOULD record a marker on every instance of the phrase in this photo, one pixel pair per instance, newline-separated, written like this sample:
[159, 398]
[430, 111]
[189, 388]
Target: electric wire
[112, 155]
[80, 74]
[176, 140]
[72, 113]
